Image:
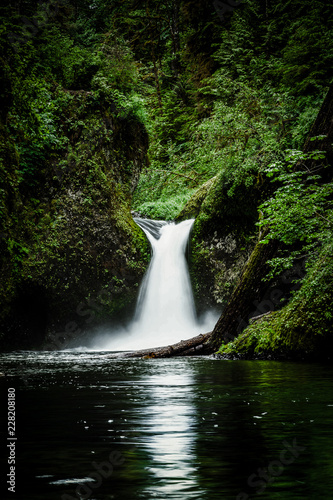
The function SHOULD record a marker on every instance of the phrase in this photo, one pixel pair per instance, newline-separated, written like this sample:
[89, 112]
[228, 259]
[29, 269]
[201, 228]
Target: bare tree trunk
[323, 126]
[153, 56]
[174, 28]
[157, 81]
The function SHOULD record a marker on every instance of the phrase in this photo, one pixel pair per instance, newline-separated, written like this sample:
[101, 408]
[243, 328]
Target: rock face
[223, 237]
[218, 260]
[72, 256]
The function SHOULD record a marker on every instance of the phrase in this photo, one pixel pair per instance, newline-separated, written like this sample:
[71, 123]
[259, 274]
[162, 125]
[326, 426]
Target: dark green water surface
[92, 427]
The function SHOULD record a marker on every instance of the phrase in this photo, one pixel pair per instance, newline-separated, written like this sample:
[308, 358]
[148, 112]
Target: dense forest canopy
[225, 92]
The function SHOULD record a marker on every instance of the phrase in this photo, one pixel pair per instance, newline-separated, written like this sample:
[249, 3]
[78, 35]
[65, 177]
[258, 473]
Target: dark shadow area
[26, 327]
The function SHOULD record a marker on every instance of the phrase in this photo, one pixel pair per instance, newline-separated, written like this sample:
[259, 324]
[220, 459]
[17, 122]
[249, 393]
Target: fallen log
[191, 347]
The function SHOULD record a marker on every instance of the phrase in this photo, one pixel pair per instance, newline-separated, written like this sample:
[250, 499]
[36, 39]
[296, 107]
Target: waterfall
[165, 311]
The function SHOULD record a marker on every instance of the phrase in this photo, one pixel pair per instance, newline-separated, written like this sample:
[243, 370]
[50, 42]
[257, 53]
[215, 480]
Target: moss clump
[192, 207]
[230, 206]
[11, 249]
[300, 330]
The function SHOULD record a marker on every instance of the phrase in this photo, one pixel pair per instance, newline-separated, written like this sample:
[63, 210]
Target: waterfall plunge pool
[194, 428]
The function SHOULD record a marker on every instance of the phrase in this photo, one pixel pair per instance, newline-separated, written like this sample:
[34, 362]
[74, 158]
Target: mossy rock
[302, 330]
[224, 235]
[192, 207]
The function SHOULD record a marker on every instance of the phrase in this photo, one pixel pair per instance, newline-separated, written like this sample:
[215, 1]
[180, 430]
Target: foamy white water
[166, 307]
[165, 311]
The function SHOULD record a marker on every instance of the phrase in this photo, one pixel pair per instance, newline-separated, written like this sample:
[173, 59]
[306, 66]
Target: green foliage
[220, 101]
[237, 121]
[166, 209]
[300, 214]
[117, 68]
[18, 252]
[288, 45]
[242, 135]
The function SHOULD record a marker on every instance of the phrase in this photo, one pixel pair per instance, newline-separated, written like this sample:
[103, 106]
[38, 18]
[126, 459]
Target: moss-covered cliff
[302, 330]
[71, 253]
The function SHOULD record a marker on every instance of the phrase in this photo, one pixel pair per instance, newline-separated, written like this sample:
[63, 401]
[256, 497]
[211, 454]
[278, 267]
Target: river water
[191, 428]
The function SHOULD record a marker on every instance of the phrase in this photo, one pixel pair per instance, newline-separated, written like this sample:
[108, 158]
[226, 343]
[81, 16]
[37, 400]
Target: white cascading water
[165, 312]
[165, 307]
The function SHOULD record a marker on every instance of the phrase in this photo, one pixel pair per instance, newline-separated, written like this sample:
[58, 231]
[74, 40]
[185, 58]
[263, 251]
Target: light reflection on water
[171, 422]
[193, 428]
